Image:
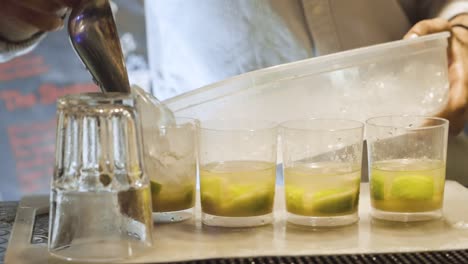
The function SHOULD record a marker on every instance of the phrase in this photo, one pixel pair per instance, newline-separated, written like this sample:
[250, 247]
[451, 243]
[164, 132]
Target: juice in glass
[322, 189]
[238, 188]
[407, 185]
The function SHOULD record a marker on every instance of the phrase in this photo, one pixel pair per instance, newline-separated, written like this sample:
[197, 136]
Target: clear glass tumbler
[237, 172]
[322, 170]
[407, 156]
[100, 207]
[171, 163]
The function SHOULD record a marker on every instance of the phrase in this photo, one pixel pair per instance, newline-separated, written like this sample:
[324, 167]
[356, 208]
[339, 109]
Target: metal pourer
[94, 36]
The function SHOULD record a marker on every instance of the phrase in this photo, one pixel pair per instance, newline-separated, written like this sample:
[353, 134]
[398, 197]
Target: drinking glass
[171, 163]
[237, 172]
[322, 170]
[100, 207]
[407, 156]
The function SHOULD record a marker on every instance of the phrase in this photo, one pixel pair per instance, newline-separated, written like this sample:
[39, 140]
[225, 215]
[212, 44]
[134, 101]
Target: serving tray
[369, 241]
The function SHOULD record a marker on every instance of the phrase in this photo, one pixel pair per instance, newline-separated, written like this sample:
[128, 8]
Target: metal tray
[369, 241]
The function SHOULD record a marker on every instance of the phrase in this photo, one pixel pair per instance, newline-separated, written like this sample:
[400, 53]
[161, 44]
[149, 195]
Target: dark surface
[8, 210]
[7, 217]
[452, 257]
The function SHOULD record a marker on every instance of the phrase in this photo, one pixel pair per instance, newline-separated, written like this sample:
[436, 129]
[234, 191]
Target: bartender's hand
[456, 110]
[20, 20]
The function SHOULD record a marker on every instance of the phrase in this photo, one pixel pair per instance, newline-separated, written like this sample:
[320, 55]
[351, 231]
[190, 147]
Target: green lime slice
[413, 187]
[334, 201]
[211, 193]
[209, 203]
[377, 186]
[212, 186]
[235, 200]
[241, 189]
[294, 199]
[250, 204]
[189, 196]
[249, 198]
[172, 197]
[155, 188]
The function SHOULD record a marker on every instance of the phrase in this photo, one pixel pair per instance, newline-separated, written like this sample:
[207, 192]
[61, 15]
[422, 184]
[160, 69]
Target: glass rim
[94, 98]
[267, 125]
[443, 122]
[358, 124]
[191, 120]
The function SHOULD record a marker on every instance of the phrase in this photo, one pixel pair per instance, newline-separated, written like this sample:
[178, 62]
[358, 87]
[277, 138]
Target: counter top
[191, 240]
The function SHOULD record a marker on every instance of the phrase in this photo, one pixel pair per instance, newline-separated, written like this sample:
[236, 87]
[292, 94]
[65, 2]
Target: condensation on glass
[407, 157]
[237, 172]
[100, 203]
[322, 170]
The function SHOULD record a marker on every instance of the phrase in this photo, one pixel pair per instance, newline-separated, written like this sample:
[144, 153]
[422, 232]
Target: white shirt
[193, 43]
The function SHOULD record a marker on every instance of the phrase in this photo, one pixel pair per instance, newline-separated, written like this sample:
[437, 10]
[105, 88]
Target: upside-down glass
[322, 170]
[171, 164]
[407, 156]
[100, 207]
[237, 172]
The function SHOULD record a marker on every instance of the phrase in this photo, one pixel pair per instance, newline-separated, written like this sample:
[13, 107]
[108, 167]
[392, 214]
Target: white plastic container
[400, 77]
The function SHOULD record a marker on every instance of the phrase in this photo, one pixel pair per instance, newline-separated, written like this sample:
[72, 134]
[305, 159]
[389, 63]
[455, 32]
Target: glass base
[406, 217]
[173, 217]
[105, 251]
[248, 221]
[323, 221]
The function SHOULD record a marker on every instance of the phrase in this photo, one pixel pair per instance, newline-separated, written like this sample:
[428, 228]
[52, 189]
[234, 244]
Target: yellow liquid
[238, 188]
[322, 189]
[172, 197]
[407, 185]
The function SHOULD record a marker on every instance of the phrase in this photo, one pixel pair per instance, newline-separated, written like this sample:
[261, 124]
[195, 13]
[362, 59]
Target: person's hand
[456, 110]
[22, 19]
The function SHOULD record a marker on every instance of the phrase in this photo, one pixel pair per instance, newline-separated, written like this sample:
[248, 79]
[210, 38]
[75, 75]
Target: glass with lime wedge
[322, 171]
[407, 167]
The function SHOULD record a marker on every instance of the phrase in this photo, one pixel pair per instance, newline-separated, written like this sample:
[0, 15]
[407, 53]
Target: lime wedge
[377, 186]
[334, 201]
[250, 204]
[248, 200]
[212, 185]
[211, 193]
[294, 199]
[413, 187]
[155, 188]
[189, 196]
[220, 198]
[241, 189]
[172, 197]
